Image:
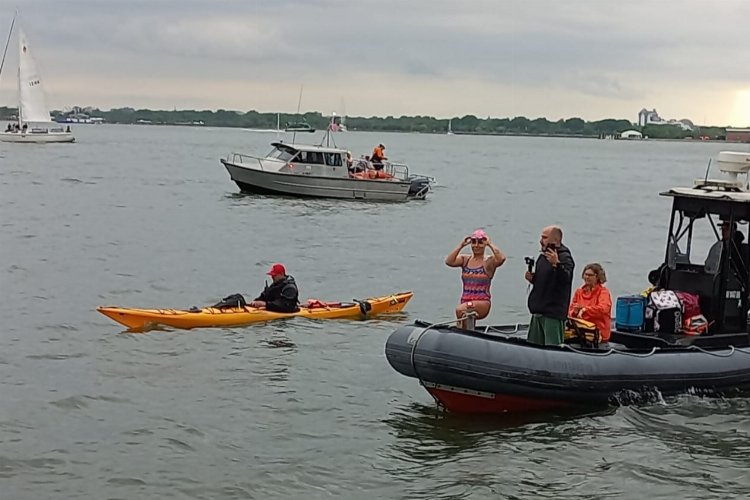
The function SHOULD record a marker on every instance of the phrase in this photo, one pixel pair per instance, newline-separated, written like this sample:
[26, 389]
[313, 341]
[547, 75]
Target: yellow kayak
[142, 319]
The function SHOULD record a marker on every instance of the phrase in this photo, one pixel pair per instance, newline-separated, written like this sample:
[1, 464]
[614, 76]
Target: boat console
[707, 255]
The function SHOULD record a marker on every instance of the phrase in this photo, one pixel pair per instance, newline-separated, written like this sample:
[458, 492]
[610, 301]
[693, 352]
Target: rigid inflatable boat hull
[474, 372]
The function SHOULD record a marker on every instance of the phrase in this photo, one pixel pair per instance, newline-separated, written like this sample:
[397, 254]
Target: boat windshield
[282, 154]
[698, 241]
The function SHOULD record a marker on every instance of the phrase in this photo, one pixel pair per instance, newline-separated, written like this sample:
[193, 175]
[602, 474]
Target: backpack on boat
[582, 331]
[231, 301]
[664, 312]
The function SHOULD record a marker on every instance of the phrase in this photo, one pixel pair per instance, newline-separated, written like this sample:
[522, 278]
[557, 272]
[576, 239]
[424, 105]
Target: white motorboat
[324, 172]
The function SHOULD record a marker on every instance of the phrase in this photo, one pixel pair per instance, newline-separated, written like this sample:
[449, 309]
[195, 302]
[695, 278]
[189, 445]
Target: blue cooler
[629, 313]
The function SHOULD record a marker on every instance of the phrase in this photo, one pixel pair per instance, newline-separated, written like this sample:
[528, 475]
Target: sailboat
[450, 129]
[301, 126]
[276, 130]
[34, 124]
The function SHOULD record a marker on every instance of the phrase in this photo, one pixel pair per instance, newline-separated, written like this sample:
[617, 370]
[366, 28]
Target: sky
[592, 59]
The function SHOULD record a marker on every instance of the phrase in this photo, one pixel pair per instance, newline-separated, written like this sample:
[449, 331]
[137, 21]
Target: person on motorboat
[592, 301]
[713, 259]
[476, 273]
[282, 295]
[551, 282]
[378, 156]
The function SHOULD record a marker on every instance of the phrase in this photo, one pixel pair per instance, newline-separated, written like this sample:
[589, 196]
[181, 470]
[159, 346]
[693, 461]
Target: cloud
[618, 55]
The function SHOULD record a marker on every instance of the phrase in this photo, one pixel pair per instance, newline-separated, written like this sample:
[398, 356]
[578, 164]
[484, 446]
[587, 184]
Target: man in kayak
[552, 281]
[282, 296]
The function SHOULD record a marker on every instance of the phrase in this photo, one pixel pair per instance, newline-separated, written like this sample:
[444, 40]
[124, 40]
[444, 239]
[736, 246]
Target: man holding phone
[552, 281]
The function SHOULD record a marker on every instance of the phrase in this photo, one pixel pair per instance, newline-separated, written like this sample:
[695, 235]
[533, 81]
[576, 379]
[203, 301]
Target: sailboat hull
[37, 138]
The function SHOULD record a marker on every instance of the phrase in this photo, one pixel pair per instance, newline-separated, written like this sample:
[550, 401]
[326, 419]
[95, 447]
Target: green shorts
[546, 331]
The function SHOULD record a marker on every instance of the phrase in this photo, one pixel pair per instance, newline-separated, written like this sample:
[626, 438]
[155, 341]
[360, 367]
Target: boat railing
[398, 170]
[242, 158]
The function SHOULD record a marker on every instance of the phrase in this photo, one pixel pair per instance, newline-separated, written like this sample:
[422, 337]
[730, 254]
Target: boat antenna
[12, 23]
[299, 104]
[708, 167]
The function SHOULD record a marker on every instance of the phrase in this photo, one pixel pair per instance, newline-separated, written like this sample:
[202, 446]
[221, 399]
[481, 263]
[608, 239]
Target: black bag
[664, 312]
[231, 301]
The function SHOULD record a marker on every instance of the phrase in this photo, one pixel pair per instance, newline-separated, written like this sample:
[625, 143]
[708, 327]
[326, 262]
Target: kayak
[141, 319]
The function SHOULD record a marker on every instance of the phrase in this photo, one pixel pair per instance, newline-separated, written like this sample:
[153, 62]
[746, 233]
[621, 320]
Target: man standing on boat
[551, 280]
[378, 156]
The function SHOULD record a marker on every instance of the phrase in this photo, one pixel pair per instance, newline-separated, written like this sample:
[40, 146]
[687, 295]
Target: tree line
[468, 124]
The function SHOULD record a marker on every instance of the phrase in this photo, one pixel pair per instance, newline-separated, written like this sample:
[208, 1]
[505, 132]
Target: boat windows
[311, 157]
[333, 159]
[282, 154]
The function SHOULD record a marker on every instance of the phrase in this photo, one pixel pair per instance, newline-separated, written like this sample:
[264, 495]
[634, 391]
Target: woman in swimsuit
[476, 273]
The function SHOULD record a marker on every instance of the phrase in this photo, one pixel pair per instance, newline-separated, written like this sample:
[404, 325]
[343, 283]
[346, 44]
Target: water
[146, 216]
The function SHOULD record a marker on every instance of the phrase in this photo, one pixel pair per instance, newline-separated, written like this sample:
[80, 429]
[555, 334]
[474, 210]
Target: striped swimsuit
[476, 284]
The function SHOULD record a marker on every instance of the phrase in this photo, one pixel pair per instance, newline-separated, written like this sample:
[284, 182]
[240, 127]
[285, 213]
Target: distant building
[646, 117]
[738, 135]
[631, 134]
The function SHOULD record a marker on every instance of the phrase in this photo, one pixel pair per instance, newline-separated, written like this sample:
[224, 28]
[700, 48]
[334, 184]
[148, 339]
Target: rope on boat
[650, 353]
[731, 347]
[588, 353]
[611, 351]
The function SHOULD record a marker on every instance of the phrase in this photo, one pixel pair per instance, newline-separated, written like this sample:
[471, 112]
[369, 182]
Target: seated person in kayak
[282, 295]
[592, 301]
[476, 273]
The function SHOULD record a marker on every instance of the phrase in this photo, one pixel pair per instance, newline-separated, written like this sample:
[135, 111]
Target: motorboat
[324, 172]
[653, 350]
[299, 127]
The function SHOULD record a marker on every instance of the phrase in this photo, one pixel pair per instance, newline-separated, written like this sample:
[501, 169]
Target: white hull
[253, 180]
[40, 138]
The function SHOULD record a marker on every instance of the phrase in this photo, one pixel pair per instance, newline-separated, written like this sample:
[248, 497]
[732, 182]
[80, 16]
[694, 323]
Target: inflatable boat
[494, 369]
[688, 333]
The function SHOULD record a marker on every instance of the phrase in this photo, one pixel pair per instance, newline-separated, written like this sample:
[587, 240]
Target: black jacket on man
[550, 295]
[281, 296]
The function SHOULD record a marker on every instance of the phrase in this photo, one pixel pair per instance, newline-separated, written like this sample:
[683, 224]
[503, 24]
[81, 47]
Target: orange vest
[598, 304]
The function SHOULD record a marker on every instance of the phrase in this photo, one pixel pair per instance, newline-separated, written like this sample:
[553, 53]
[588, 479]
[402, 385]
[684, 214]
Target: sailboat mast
[299, 104]
[10, 32]
[20, 101]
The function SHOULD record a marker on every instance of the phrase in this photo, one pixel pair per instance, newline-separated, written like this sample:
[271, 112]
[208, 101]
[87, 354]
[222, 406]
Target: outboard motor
[419, 186]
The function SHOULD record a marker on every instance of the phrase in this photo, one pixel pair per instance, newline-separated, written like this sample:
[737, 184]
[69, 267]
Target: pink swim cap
[479, 234]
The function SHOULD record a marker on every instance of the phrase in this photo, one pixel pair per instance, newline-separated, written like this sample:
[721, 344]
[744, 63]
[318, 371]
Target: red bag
[690, 304]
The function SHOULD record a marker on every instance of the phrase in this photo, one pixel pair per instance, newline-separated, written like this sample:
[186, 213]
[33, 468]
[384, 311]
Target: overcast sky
[556, 58]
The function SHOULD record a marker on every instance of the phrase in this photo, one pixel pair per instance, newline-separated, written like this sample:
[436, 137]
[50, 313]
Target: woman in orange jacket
[592, 301]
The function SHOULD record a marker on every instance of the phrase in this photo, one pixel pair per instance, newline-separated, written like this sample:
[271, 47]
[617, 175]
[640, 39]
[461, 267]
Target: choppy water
[146, 216]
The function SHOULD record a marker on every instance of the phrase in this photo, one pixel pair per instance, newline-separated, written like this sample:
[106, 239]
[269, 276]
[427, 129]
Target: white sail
[33, 104]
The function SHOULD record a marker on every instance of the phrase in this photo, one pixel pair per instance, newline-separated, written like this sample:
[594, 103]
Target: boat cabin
[707, 252]
[306, 160]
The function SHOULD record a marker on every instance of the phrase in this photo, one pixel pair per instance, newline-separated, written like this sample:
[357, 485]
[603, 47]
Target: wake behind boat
[34, 124]
[688, 333]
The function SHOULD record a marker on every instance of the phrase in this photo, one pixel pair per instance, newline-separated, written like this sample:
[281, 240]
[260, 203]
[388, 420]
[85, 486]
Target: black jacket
[281, 296]
[550, 295]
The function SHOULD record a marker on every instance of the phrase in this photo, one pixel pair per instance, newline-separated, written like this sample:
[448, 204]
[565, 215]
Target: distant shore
[465, 125]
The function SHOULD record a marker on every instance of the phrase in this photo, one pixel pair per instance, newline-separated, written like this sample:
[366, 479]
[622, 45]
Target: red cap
[276, 269]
